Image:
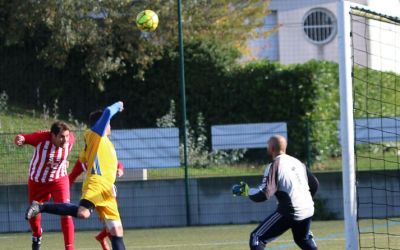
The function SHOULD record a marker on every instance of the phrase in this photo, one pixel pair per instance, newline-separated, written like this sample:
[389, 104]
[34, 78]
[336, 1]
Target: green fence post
[183, 108]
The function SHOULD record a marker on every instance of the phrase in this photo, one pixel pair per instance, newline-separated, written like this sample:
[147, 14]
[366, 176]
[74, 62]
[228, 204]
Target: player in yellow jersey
[98, 190]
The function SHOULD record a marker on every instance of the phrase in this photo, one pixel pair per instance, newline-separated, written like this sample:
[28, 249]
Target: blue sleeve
[100, 126]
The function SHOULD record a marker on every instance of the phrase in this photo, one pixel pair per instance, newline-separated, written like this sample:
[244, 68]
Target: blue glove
[241, 189]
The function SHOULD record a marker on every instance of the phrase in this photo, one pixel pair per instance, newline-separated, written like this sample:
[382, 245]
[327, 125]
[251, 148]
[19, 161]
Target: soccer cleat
[103, 242]
[311, 238]
[36, 241]
[32, 210]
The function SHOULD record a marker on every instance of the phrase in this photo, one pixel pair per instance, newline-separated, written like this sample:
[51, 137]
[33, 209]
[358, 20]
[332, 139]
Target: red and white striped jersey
[49, 162]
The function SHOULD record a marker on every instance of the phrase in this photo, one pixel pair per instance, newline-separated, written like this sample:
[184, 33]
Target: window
[319, 26]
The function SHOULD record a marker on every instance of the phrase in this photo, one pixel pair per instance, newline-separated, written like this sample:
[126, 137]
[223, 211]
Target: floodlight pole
[183, 111]
[347, 127]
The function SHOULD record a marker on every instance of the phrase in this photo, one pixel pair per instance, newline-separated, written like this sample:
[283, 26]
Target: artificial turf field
[328, 234]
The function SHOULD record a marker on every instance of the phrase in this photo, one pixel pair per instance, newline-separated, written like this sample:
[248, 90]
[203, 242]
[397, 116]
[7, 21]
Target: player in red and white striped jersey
[48, 177]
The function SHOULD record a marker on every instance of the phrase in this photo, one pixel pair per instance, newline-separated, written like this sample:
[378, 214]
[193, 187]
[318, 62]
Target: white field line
[165, 246]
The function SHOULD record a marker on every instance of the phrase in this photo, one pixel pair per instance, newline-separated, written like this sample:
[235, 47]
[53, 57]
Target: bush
[198, 152]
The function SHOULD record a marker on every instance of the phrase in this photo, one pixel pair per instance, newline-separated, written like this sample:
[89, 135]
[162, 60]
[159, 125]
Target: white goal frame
[347, 122]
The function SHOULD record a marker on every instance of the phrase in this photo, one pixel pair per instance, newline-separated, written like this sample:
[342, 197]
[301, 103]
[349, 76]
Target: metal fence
[156, 153]
[155, 177]
[223, 150]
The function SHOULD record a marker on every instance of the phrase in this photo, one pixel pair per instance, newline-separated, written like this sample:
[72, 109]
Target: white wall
[290, 44]
[295, 47]
[385, 38]
[266, 47]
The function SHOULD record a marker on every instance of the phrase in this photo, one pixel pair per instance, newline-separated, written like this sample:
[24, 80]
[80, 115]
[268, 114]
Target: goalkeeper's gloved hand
[241, 189]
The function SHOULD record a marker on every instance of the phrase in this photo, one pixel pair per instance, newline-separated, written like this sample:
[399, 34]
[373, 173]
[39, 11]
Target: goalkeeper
[286, 178]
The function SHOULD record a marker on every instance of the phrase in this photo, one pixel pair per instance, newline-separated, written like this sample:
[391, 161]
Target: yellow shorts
[103, 196]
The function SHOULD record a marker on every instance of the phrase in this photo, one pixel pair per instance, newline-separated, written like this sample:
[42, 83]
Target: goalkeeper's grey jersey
[286, 178]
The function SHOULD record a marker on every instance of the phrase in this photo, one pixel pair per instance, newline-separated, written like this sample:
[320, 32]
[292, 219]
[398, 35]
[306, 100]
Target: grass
[232, 237]
[17, 120]
[210, 171]
[364, 161]
[328, 235]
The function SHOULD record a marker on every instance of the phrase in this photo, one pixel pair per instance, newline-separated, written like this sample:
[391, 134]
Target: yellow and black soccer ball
[147, 20]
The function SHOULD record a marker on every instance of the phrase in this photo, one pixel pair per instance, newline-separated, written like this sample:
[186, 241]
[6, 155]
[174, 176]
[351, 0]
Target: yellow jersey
[99, 152]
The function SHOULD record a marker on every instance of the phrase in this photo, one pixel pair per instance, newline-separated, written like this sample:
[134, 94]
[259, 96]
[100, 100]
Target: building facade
[307, 29]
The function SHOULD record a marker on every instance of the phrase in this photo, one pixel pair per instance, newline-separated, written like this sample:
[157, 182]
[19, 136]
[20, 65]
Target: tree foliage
[105, 36]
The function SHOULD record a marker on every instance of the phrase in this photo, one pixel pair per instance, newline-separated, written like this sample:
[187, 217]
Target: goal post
[369, 80]
[347, 127]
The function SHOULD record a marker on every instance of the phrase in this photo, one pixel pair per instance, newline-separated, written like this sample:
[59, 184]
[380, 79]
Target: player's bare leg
[117, 233]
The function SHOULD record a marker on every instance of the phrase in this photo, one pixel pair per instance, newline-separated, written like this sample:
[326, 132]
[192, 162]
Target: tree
[104, 32]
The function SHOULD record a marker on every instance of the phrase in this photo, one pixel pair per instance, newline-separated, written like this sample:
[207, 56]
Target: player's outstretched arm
[32, 139]
[19, 140]
[255, 194]
[77, 170]
[241, 189]
[100, 126]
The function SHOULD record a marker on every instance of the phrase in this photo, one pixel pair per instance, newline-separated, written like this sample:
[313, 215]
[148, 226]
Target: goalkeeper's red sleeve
[76, 171]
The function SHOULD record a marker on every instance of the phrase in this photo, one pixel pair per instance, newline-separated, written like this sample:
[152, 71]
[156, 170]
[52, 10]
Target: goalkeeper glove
[241, 189]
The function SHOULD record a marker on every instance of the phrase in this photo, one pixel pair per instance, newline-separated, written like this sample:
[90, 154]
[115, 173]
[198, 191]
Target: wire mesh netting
[375, 48]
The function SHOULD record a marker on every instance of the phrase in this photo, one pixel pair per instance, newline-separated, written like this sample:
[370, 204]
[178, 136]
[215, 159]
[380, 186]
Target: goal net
[375, 79]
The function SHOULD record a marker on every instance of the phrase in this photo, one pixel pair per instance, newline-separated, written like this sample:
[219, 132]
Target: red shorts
[42, 192]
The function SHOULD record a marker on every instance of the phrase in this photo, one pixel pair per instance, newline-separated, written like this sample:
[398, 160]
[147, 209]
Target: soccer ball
[147, 20]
